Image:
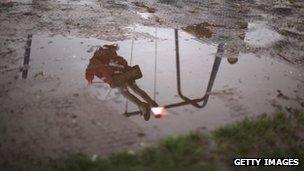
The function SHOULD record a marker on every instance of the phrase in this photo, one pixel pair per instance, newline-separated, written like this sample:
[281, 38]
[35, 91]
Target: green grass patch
[279, 136]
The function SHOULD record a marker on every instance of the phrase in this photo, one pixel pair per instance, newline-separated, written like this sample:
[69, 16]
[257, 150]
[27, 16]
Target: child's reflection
[106, 64]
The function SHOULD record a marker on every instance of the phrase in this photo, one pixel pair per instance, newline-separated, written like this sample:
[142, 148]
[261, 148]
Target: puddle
[259, 35]
[248, 87]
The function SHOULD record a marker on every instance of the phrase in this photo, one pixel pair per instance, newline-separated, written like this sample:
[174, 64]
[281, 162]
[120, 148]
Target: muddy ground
[43, 118]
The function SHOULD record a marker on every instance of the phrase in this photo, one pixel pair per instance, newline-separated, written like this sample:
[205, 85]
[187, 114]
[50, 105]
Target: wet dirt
[54, 112]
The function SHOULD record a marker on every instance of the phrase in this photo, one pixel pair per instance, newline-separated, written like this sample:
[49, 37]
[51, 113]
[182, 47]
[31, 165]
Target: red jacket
[104, 64]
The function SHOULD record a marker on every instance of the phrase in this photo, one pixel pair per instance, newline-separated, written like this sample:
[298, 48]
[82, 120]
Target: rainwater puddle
[259, 35]
[249, 87]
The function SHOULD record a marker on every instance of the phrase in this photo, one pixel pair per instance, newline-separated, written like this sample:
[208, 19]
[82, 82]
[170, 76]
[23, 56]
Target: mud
[53, 112]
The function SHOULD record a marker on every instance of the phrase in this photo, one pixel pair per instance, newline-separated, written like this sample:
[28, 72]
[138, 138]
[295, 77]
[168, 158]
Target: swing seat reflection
[114, 70]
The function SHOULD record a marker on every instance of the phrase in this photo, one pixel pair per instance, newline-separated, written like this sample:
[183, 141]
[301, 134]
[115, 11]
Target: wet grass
[279, 135]
[174, 153]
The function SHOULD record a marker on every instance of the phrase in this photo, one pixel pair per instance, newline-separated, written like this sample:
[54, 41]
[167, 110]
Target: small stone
[94, 157]
[131, 152]
[141, 134]
[142, 144]
[76, 95]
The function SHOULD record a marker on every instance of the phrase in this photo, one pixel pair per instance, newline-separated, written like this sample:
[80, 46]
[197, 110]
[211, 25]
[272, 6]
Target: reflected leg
[125, 92]
[143, 107]
[142, 94]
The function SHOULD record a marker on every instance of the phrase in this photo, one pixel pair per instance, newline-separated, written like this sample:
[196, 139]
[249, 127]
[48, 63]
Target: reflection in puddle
[26, 59]
[260, 36]
[177, 81]
[115, 71]
[186, 100]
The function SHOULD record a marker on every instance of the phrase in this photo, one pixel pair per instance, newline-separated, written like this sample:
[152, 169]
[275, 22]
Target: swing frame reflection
[196, 102]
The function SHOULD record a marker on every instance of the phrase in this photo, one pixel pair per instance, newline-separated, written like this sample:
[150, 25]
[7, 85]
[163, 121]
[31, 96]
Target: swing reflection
[113, 69]
[186, 100]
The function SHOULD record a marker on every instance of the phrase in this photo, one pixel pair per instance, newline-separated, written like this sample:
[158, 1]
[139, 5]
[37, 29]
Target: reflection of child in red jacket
[105, 64]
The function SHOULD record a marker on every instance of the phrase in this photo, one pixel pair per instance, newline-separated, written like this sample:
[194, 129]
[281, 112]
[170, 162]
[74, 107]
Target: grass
[279, 135]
